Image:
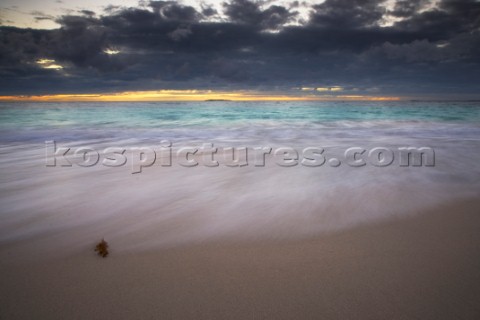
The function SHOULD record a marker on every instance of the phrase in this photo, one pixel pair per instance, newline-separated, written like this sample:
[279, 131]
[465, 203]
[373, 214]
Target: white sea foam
[168, 206]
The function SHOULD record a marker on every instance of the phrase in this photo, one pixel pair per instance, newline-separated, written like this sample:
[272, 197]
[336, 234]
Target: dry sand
[421, 267]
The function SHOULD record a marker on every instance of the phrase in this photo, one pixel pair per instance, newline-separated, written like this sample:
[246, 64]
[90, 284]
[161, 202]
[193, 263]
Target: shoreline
[423, 265]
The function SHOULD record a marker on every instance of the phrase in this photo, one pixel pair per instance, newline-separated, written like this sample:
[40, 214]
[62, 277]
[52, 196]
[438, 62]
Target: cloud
[348, 13]
[166, 45]
[451, 17]
[39, 16]
[87, 13]
[180, 33]
[407, 8]
[172, 11]
[250, 13]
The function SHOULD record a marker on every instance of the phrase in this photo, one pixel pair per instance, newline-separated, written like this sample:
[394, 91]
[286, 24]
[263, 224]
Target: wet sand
[423, 266]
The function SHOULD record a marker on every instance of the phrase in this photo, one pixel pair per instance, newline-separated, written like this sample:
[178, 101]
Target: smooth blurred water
[173, 205]
[37, 122]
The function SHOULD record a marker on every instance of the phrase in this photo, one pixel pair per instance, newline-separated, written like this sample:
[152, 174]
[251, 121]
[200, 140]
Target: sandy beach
[424, 266]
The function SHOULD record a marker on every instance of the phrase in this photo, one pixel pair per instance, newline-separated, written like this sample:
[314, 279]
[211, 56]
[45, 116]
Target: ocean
[172, 205]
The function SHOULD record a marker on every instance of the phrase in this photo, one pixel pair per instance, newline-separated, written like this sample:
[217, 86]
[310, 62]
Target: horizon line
[187, 96]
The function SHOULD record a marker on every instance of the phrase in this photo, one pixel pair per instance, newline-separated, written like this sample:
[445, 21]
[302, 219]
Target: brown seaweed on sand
[102, 248]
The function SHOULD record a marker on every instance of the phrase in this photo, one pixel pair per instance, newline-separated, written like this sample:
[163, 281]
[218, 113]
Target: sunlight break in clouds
[49, 64]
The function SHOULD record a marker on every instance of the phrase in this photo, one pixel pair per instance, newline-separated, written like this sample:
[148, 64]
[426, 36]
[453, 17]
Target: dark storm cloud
[406, 8]
[168, 45]
[449, 19]
[250, 13]
[208, 11]
[171, 11]
[348, 13]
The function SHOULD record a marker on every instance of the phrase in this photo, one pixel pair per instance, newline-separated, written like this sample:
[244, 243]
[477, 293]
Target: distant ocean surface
[236, 121]
[177, 205]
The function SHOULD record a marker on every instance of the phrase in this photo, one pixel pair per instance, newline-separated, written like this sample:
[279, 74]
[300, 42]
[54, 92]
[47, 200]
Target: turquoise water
[36, 122]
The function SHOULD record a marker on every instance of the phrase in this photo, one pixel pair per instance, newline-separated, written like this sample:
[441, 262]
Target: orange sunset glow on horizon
[188, 95]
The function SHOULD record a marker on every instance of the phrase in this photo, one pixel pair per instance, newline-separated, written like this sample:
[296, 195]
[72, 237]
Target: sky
[239, 49]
